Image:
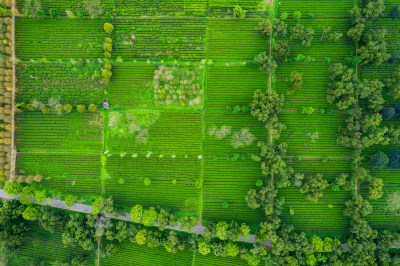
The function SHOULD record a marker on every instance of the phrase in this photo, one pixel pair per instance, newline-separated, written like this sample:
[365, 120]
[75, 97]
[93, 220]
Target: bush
[13, 188]
[68, 108]
[81, 108]
[379, 160]
[259, 183]
[71, 200]
[30, 213]
[108, 27]
[225, 205]
[394, 159]
[265, 26]
[54, 13]
[107, 47]
[92, 108]
[307, 110]
[297, 15]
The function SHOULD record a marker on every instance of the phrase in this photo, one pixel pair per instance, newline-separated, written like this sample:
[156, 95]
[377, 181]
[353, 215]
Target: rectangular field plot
[313, 91]
[235, 123]
[63, 38]
[326, 125]
[169, 133]
[235, 39]
[319, 50]
[229, 181]
[381, 218]
[155, 7]
[75, 84]
[128, 87]
[163, 37]
[46, 247]
[67, 132]
[317, 217]
[231, 85]
[60, 165]
[134, 254]
[320, 9]
[181, 196]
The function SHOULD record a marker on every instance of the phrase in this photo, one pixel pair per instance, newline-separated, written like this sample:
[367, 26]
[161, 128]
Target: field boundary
[13, 158]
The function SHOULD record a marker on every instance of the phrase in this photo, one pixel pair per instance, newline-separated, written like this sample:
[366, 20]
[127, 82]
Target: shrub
[108, 27]
[70, 14]
[13, 188]
[307, 110]
[54, 13]
[107, 47]
[225, 205]
[68, 108]
[259, 183]
[297, 15]
[284, 15]
[147, 182]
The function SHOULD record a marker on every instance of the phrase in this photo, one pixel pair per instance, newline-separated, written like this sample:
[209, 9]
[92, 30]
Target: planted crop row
[172, 133]
[62, 6]
[60, 38]
[229, 181]
[392, 28]
[129, 85]
[166, 37]
[313, 90]
[172, 182]
[234, 39]
[320, 9]
[51, 132]
[301, 143]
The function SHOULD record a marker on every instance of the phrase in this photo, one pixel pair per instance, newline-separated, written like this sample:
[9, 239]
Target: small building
[106, 105]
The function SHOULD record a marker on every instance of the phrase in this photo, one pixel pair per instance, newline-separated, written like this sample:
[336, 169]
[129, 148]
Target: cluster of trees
[389, 159]
[393, 84]
[53, 105]
[107, 46]
[6, 87]
[345, 89]
[238, 12]
[367, 246]
[372, 42]
[266, 107]
[311, 185]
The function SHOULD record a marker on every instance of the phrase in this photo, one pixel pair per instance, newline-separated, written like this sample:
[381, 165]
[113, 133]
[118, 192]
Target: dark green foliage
[50, 219]
[12, 226]
[303, 34]
[313, 187]
[296, 81]
[379, 160]
[266, 62]
[80, 230]
[393, 84]
[394, 159]
[395, 12]
[265, 26]
[373, 47]
[262, 198]
[280, 50]
[280, 28]
[388, 112]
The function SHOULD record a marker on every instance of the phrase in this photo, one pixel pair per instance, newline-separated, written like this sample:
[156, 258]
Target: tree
[279, 27]
[242, 138]
[393, 201]
[379, 160]
[356, 32]
[245, 230]
[221, 230]
[137, 213]
[187, 223]
[265, 62]
[297, 16]
[393, 84]
[395, 12]
[219, 249]
[373, 47]
[284, 15]
[265, 26]
[27, 195]
[313, 186]
[172, 243]
[40, 195]
[149, 217]
[106, 75]
[232, 249]
[54, 12]
[81, 108]
[238, 12]
[266, 107]
[280, 50]
[204, 248]
[81, 230]
[388, 112]
[108, 27]
[343, 182]
[13, 188]
[71, 200]
[12, 226]
[165, 218]
[357, 207]
[31, 213]
[262, 198]
[68, 108]
[373, 9]
[303, 34]
[101, 204]
[92, 108]
[394, 159]
[141, 237]
[50, 219]
[375, 186]
[296, 81]
[327, 35]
